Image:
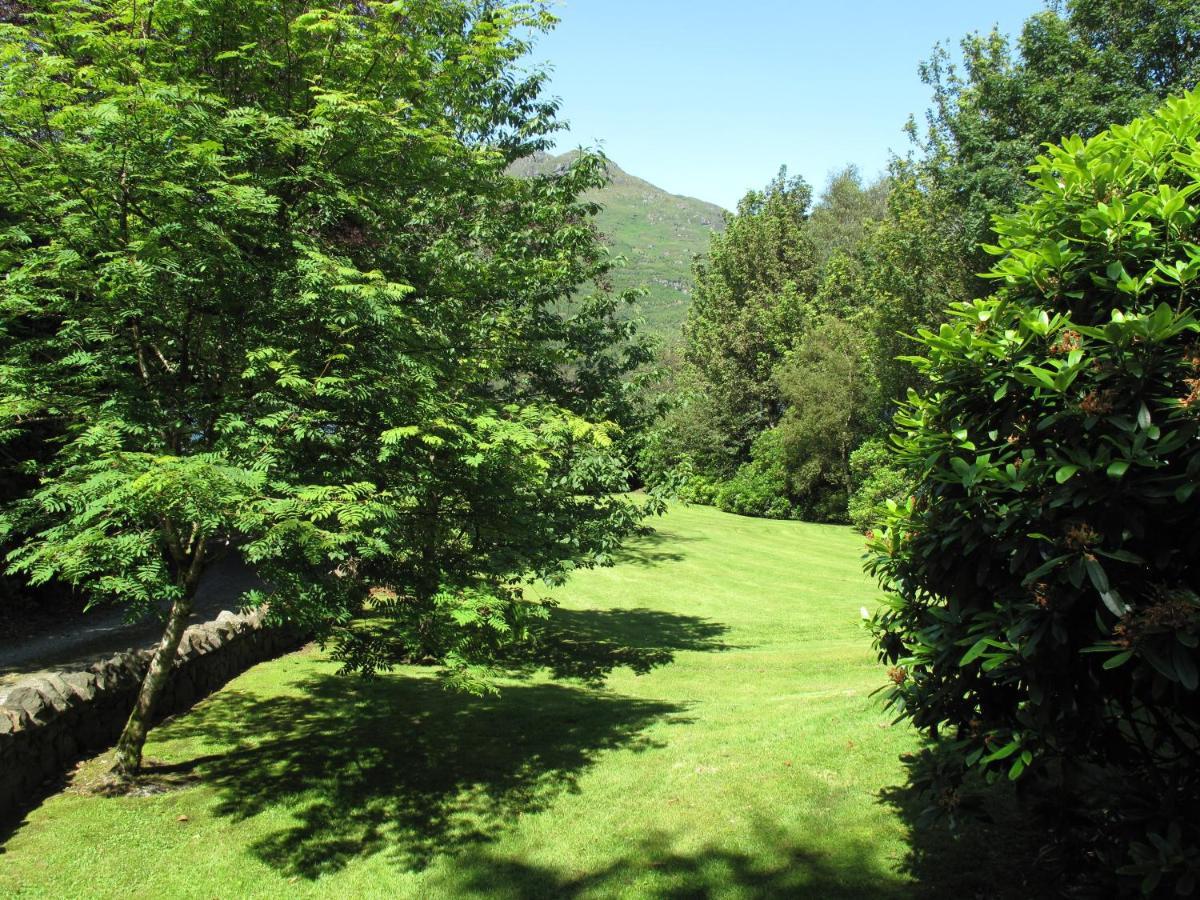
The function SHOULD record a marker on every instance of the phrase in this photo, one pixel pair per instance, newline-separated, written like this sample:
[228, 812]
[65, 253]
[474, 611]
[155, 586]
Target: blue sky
[709, 97]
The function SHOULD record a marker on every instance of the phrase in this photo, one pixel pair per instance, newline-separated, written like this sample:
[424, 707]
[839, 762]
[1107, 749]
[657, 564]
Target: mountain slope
[658, 233]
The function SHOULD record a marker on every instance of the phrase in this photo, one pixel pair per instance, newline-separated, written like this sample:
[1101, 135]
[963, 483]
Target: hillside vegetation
[658, 233]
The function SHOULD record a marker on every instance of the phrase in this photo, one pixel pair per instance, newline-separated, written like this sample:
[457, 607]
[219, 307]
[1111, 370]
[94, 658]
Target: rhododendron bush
[1043, 618]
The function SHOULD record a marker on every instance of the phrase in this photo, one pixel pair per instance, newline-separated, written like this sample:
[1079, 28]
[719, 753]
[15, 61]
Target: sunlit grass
[702, 725]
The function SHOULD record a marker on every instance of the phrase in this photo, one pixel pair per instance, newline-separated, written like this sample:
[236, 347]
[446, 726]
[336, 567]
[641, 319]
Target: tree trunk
[133, 738]
[190, 558]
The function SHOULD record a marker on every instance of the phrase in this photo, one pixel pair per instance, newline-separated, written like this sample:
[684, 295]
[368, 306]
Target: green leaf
[1065, 472]
[975, 652]
[1004, 752]
[1118, 660]
[1185, 667]
[1113, 601]
[1096, 574]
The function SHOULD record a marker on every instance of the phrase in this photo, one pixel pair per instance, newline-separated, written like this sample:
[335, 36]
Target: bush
[1044, 613]
[878, 477]
[759, 487]
[700, 489]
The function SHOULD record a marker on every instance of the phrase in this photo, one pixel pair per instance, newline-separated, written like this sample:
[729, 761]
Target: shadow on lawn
[645, 550]
[587, 645]
[652, 867]
[400, 766]
[403, 767]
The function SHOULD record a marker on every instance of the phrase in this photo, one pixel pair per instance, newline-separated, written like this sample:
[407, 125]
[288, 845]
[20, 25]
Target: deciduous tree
[264, 270]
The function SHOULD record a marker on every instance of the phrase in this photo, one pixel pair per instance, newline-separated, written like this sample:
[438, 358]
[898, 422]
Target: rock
[62, 688]
[82, 683]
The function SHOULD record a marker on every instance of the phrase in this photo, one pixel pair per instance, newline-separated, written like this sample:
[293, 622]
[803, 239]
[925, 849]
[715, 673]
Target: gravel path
[104, 631]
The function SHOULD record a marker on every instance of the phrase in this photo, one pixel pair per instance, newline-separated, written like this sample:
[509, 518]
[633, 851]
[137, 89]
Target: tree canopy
[269, 284]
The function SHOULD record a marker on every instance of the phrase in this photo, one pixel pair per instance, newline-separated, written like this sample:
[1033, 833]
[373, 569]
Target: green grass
[699, 725]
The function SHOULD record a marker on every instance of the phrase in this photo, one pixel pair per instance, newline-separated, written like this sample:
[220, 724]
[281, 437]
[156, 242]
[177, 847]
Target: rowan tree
[266, 276]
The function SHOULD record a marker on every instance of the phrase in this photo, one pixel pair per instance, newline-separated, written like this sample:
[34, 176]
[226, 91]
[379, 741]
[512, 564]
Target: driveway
[105, 630]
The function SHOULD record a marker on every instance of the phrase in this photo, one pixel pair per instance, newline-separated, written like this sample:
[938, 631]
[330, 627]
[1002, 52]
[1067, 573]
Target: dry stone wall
[48, 721]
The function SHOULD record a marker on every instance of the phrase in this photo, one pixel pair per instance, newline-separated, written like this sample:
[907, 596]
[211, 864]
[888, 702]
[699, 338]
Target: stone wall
[49, 721]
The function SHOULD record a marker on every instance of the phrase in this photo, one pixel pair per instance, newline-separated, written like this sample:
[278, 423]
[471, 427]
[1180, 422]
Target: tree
[779, 273]
[749, 306]
[1075, 69]
[911, 270]
[829, 393]
[844, 213]
[266, 274]
[1045, 613]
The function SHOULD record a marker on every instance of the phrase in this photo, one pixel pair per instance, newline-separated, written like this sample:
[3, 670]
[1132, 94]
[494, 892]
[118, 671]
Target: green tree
[910, 270]
[829, 393]
[1045, 614]
[1075, 69]
[844, 213]
[266, 274]
[781, 271]
[749, 306]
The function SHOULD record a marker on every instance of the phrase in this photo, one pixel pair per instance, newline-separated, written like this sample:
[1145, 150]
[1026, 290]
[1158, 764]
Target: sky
[709, 98]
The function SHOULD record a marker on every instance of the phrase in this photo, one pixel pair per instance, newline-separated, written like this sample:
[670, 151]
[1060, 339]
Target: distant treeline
[792, 367]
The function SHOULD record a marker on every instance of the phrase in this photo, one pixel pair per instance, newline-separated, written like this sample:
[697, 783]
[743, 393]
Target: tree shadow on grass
[653, 867]
[646, 549]
[587, 645]
[398, 765]
[990, 850]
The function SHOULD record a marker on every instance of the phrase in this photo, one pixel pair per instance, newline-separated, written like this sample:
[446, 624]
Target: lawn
[699, 723]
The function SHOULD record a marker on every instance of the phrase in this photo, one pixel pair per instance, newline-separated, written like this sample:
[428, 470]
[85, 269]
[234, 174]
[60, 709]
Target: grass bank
[698, 725]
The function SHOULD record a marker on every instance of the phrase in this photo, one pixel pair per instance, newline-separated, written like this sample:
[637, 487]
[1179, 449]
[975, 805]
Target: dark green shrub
[1044, 616]
[760, 487]
[878, 477]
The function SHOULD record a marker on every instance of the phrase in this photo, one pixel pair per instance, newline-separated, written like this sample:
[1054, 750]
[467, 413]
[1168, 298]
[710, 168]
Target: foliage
[1045, 615]
[684, 438]
[760, 487]
[775, 278]
[911, 271]
[890, 257]
[267, 274]
[749, 305]
[844, 213]
[829, 392]
[1077, 68]
[697, 488]
[877, 477]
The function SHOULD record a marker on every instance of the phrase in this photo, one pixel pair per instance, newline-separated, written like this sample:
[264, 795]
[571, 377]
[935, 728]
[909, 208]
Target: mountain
[658, 233]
